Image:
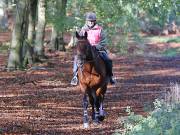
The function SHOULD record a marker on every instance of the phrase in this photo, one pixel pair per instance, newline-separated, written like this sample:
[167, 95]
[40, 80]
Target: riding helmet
[90, 16]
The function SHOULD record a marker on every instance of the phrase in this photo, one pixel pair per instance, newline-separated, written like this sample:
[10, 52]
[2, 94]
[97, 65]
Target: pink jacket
[94, 35]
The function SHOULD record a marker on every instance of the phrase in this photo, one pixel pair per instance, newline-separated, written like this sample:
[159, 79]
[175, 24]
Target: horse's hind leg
[85, 113]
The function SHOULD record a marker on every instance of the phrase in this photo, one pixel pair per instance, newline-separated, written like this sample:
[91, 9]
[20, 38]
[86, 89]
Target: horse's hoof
[96, 122]
[102, 113]
[101, 118]
[85, 125]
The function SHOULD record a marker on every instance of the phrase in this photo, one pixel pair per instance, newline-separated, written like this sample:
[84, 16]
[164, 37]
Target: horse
[93, 79]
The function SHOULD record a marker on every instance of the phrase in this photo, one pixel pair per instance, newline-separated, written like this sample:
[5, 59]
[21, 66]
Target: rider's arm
[103, 41]
[72, 42]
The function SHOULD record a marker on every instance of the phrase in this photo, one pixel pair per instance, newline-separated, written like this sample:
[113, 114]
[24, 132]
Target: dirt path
[42, 102]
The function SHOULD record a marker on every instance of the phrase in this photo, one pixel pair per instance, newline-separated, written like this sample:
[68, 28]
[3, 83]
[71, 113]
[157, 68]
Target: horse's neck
[93, 53]
[95, 56]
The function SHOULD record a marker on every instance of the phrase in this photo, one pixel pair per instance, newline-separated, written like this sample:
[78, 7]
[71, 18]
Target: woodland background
[36, 66]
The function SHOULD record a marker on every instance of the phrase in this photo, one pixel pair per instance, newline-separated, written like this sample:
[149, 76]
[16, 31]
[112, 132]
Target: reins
[93, 59]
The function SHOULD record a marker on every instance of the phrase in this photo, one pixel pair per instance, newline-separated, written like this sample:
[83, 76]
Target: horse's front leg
[85, 113]
[96, 108]
[102, 113]
[91, 100]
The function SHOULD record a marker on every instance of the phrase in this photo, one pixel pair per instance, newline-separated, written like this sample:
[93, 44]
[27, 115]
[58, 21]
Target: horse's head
[83, 47]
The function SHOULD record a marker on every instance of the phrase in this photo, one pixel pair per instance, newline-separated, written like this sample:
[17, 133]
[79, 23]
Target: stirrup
[74, 81]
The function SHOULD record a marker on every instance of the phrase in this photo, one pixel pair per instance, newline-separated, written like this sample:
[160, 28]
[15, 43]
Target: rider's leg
[74, 80]
[109, 66]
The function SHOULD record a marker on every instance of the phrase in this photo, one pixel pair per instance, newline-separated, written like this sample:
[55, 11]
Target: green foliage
[4, 47]
[164, 120]
[122, 44]
[118, 17]
[159, 11]
[161, 39]
[174, 40]
[76, 10]
[172, 52]
[168, 52]
[56, 15]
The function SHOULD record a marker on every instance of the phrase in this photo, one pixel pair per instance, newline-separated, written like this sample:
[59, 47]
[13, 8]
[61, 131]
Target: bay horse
[93, 79]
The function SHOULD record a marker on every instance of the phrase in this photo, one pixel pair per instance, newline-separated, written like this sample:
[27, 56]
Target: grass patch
[174, 40]
[160, 39]
[171, 52]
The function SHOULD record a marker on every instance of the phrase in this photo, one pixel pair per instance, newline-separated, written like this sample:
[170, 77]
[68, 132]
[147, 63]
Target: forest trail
[41, 100]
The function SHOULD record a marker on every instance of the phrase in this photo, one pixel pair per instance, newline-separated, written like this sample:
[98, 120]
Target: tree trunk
[32, 18]
[54, 39]
[39, 41]
[29, 58]
[61, 46]
[61, 34]
[18, 36]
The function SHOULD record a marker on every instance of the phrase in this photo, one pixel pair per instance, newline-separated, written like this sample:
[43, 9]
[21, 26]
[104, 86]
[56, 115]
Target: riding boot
[108, 63]
[112, 81]
[75, 80]
[110, 73]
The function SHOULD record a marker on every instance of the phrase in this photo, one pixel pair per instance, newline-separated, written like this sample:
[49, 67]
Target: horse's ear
[85, 34]
[77, 35]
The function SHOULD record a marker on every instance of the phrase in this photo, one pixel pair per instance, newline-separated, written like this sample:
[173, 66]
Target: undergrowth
[163, 120]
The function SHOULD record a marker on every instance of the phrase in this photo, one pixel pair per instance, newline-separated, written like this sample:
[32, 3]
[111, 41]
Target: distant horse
[93, 79]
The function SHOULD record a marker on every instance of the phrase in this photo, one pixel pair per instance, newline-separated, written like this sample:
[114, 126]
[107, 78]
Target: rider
[97, 38]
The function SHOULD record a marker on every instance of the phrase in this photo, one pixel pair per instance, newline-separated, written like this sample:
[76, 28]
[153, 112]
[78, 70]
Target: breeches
[108, 62]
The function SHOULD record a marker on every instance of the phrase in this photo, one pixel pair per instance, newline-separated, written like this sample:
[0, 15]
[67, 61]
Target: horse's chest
[89, 77]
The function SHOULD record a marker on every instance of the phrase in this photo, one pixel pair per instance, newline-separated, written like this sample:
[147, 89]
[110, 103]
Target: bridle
[85, 57]
[81, 59]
